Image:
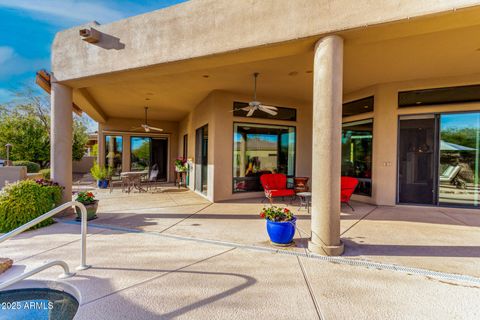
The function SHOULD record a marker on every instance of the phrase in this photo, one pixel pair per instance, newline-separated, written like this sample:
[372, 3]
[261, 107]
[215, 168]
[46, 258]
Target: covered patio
[438, 239]
[192, 82]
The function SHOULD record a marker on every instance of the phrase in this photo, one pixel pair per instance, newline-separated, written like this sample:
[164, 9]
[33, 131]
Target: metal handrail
[63, 264]
[51, 213]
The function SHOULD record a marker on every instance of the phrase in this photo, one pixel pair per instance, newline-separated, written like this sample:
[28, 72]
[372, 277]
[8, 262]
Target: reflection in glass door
[147, 154]
[201, 159]
[417, 160]
[357, 139]
[459, 159]
[113, 153]
[140, 153]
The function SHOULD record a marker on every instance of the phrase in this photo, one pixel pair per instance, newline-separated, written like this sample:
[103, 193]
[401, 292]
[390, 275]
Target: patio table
[133, 180]
[305, 198]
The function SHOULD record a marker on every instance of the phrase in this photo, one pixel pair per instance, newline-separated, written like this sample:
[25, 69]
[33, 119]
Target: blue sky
[29, 26]
[460, 120]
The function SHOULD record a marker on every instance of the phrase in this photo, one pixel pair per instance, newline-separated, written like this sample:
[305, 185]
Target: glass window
[185, 146]
[357, 154]
[140, 153]
[260, 149]
[459, 159]
[113, 153]
[358, 106]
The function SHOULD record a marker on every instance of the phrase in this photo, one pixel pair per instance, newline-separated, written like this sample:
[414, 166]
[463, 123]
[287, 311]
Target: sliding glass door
[459, 159]
[140, 153]
[416, 160]
[147, 153]
[201, 159]
[439, 159]
[113, 153]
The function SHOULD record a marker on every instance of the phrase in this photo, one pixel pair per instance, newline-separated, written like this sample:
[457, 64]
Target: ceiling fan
[257, 105]
[145, 125]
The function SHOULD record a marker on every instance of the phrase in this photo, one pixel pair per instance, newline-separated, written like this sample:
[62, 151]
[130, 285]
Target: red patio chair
[275, 185]
[347, 187]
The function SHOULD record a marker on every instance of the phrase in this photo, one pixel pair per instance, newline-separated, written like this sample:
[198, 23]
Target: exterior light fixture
[8, 147]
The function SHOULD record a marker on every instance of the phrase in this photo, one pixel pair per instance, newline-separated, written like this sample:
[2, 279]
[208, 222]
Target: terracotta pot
[300, 184]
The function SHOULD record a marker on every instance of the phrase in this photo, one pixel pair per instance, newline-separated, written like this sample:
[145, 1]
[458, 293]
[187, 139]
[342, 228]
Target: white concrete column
[101, 146]
[126, 153]
[61, 137]
[326, 146]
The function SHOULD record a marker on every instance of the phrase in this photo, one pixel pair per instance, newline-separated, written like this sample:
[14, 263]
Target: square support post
[61, 133]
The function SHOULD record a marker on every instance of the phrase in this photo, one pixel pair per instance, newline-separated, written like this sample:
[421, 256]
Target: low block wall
[84, 165]
[12, 174]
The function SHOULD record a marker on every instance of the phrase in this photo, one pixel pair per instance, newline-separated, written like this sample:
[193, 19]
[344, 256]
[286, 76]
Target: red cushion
[282, 193]
[275, 185]
[276, 181]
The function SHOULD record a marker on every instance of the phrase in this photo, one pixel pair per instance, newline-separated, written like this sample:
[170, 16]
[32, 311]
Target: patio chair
[275, 185]
[152, 177]
[116, 180]
[347, 187]
[450, 176]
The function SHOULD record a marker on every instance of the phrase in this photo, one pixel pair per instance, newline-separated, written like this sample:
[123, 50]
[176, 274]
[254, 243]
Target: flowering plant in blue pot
[281, 224]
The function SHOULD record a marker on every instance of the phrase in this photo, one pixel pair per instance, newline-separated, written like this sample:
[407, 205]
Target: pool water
[38, 304]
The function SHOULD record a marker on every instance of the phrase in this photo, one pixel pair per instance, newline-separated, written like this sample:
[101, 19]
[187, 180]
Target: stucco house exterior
[385, 91]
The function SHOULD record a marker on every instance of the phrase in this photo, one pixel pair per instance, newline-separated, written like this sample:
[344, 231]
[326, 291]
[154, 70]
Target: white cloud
[77, 11]
[6, 53]
[6, 96]
[12, 64]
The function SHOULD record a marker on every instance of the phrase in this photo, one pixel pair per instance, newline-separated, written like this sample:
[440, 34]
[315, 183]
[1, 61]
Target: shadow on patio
[415, 236]
[361, 249]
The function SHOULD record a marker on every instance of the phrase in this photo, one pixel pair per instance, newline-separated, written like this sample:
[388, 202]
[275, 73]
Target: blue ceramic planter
[102, 184]
[281, 232]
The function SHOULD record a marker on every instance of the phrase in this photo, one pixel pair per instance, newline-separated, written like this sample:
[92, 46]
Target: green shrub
[45, 173]
[32, 167]
[23, 201]
[100, 173]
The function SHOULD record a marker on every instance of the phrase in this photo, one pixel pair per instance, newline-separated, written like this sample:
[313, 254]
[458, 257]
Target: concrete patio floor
[149, 276]
[439, 239]
[172, 254]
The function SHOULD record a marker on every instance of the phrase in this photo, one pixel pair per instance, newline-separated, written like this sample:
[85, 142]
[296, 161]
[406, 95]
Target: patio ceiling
[432, 47]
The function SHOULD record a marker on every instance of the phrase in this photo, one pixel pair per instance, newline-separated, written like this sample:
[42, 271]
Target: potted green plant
[87, 198]
[101, 174]
[281, 224]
